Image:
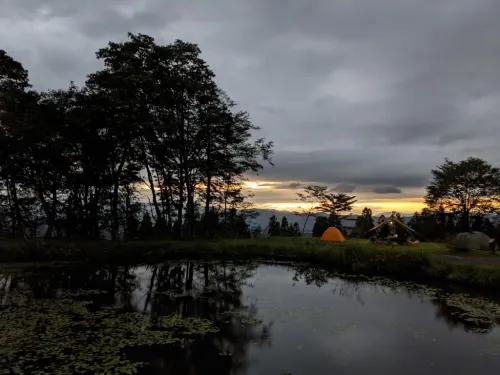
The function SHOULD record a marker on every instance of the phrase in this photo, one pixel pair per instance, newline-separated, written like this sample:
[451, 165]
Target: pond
[239, 318]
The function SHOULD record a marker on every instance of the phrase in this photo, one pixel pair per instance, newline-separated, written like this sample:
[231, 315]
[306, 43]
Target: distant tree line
[75, 161]
[285, 229]
[459, 198]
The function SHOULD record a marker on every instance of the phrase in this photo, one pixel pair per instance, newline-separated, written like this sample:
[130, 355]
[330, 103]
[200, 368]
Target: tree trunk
[114, 213]
[181, 203]
[190, 208]
[208, 198]
[18, 226]
[114, 202]
[151, 183]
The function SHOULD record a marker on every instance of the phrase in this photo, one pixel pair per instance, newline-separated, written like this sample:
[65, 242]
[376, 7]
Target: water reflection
[278, 319]
[448, 310]
[203, 290]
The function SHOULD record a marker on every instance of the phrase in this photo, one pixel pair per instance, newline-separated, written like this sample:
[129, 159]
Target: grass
[417, 263]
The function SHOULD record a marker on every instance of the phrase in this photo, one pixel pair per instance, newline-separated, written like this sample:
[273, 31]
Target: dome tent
[332, 234]
[473, 241]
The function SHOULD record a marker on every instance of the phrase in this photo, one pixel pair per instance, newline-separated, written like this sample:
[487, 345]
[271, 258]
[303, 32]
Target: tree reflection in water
[214, 291]
[456, 310]
[201, 290]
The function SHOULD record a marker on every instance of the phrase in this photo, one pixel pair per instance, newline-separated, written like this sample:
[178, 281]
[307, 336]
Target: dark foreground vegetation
[428, 263]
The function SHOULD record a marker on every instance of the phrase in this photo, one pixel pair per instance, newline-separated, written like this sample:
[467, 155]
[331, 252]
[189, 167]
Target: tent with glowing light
[392, 221]
[332, 234]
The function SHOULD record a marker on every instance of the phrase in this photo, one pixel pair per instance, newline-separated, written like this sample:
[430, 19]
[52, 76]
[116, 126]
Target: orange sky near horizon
[274, 195]
[277, 195]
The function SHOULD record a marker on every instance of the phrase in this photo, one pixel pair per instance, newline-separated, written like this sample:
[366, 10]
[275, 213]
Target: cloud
[334, 166]
[375, 93]
[344, 187]
[387, 190]
[292, 186]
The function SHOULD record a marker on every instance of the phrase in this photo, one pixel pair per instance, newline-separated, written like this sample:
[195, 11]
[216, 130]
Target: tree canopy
[151, 131]
[468, 187]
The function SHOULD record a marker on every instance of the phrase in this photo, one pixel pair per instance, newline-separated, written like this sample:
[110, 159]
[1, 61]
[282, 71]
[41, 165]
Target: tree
[336, 203]
[146, 228]
[152, 123]
[335, 221]
[481, 223]
[295, 230]
[17, 108]
[256, 231]
[273, 227]
[285, 228]
[364, 222]
[312, 196]
[320, 225]
[468, 187]
[427, 224]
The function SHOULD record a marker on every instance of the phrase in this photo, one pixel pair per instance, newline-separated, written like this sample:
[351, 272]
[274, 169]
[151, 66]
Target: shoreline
[352, 256]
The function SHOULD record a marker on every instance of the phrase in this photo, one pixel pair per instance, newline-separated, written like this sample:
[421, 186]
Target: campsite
[250, 188]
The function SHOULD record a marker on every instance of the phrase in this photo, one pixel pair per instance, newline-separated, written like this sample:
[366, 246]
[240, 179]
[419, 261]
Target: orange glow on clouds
[284, 199]
[276, 195]
[399, 205]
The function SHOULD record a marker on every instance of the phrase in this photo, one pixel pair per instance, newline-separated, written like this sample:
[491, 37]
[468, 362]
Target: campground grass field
[429, 248]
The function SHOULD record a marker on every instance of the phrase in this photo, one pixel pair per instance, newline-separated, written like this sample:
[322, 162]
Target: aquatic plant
[477, 312]
[64, 336]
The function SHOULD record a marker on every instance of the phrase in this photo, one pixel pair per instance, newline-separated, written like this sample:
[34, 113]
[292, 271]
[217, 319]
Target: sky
[365, 96]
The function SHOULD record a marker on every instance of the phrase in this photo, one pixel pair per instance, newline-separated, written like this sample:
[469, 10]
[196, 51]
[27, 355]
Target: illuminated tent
[332, 234]
[392, 221]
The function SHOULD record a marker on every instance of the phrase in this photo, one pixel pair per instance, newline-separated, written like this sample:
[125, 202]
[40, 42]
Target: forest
[151, 124]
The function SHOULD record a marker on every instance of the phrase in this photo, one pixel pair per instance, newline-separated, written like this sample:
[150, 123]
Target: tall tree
[310, 199]
[467, 187]
[18, 108]
[152, 120]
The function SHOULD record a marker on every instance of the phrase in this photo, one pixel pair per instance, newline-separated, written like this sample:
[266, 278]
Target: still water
[276, 319]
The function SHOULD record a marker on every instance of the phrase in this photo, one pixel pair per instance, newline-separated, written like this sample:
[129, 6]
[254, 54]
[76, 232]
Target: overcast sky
[365, 95]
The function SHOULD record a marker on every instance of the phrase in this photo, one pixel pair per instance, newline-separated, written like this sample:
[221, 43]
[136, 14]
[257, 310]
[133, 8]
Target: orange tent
[332, 234]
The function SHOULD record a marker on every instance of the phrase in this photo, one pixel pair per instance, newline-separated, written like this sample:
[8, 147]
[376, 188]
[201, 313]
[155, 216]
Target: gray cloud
[292, 186]
[335, 166]
[344, 187]
[371, 92]
[387, 190]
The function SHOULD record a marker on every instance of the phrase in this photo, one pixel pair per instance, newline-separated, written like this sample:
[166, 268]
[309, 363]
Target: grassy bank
[415, 263]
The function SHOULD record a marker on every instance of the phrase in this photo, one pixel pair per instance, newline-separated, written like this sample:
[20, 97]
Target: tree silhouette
[78, 161]
[467, 187]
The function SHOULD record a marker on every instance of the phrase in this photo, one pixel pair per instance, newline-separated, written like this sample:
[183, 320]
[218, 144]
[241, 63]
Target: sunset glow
[274, 195]
[400, 205]
[278, 195]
